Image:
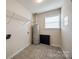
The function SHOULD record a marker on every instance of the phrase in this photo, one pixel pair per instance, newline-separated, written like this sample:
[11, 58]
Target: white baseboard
[67, 55]
[17, 52]
[64, 53]
[55, 45]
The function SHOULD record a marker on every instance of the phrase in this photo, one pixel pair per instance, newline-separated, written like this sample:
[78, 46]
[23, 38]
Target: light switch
[66, 20]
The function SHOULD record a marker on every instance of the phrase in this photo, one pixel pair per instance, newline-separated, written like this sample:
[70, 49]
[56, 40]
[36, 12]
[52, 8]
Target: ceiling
[46, 5]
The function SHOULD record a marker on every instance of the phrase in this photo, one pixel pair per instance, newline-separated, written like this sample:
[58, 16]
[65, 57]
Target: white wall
[20, 38]
[14, 6]
[66, 31]
[54, 33]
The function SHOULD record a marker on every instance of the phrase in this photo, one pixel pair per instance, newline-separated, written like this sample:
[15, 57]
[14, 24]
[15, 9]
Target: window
[52, 22]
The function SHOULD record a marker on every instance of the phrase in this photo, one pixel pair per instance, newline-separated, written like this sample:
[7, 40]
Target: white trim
[55, 45]
[17, 52]
[66, 54]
